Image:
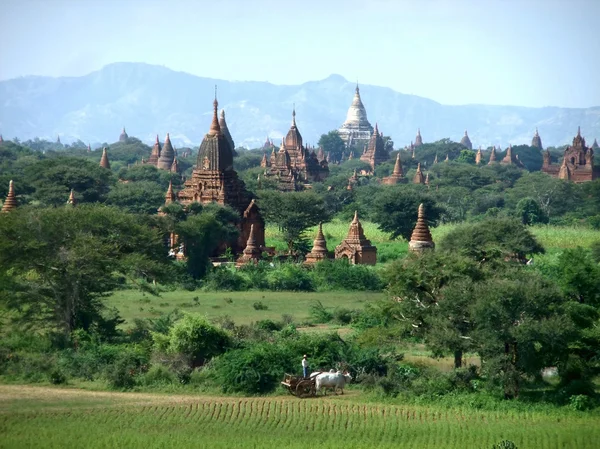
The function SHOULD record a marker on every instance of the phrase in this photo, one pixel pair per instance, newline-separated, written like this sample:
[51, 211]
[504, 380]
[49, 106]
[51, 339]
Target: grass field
[551, 237]
[60, 418]
[237, 305]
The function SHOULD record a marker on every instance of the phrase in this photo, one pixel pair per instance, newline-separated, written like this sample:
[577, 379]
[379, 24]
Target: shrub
[57, 377]
[319, 313]
[341, 275]
[129, 363]
[194, 337]
[225, 279]
[291, 277]
[268, 325]
[343, 316]
[505, 444]
[158, 375]
[580, 402]
[259, 305]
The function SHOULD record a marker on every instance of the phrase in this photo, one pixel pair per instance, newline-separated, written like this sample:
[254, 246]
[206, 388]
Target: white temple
[356, 130]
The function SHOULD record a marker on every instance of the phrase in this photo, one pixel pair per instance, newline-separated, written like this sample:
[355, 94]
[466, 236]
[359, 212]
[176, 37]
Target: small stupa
[356, 247]
[251, 253]
[10, 203]
[72, 201]
[421, 239]
[319, 251]
[104, 162]
[419, 178]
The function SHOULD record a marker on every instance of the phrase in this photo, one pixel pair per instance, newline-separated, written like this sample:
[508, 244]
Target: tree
[395, 209]
[333, 144]
[521, 327]
[294, 213]
[62, 261]
[529, 212]
[432, 294]
[494, 239]
[466, 156]
[53, 179]
[139, 197]
[194, 337]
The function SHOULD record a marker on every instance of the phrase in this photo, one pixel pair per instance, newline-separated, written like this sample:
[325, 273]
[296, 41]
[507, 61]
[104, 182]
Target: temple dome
[537, 140]
[466, 141]
[356, 118]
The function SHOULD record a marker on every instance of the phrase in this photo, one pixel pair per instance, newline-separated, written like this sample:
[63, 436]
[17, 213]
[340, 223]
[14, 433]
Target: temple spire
[170, 196]
[104, 159]
[10, 203]
[215, 129]
[294, 115]
[398, 166]
[421, 239]
[72, 201]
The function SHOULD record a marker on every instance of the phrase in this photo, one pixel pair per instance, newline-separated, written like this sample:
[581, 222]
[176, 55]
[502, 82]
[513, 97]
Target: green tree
[466, 157]
[521, 327]
[294, 213]
[433, 293]
[493, 239]
[63, 261]
[53, 179]
[194, 337]
[333, 144]
[139, 197]
[395, 209]
[529, 212]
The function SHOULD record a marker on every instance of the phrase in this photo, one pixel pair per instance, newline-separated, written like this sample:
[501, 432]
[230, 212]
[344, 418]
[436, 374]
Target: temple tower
[577, 165]
[466, 141]
[319, 251]
[421, 239]
[376, 152]
[397, 175]
[225, 131]
[123, 136]
[167, 155]
[418, 139]
[356, 130]
[72, 201]
[155, 154]
[104, 162]
[252, 252]
[215, 180]
[536, 142]
[10, 203]
[419, 178]
[355, 247]
[478, 156]
[492, 156]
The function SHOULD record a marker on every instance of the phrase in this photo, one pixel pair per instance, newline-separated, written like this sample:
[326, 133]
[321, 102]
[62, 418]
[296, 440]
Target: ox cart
[302, 387]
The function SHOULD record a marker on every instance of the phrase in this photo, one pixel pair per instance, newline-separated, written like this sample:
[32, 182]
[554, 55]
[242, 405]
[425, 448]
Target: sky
[506, 52]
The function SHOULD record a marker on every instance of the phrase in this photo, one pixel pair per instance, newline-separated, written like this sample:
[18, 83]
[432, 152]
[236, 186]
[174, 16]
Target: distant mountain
[150, 100]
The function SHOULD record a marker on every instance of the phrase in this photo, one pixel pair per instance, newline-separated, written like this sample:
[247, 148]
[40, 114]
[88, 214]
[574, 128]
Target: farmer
[305, 366]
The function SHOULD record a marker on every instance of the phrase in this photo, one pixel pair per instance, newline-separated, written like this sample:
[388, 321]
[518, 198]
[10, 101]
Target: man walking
[305, 366]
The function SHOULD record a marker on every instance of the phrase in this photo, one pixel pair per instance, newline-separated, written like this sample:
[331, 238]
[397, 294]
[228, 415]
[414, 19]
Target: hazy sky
[518, 52]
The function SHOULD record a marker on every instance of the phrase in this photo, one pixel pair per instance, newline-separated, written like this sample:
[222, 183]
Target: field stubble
[67, 418]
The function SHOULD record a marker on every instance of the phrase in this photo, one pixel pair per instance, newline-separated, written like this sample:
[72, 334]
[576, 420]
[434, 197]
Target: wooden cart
[302, 387]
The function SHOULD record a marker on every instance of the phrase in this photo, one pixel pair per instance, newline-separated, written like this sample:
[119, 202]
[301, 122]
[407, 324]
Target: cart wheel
[304, 389]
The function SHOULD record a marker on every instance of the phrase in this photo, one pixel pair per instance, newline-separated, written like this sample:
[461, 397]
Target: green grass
[238, 305]
[551, 237]
[158, 421]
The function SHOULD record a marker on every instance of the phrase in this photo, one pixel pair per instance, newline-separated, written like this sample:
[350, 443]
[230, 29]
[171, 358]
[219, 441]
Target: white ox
[333, 381]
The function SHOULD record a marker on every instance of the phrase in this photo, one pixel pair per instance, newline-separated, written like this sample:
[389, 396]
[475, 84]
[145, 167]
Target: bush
[268, 325]
[339, 274]
[57, 377]
[225, 279]
[291, 277]
[259, 305]
[158, 375]
[194, 337]
[123, 372]
[319, 313]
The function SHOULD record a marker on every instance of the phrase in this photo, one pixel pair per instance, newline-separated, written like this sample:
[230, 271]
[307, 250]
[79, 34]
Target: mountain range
[149, 100]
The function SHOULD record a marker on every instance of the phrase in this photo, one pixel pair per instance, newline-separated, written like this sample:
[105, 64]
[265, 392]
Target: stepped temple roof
[10, 203]
[577, 164]
[356, 247]
[356, 128]
[421, 236]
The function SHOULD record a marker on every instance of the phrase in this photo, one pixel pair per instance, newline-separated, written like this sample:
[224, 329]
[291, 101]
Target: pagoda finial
[157, 138]
[11, 202]
[294, 115]
[579, 131]
[355, 219]
[215, 129]
[357, 90]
